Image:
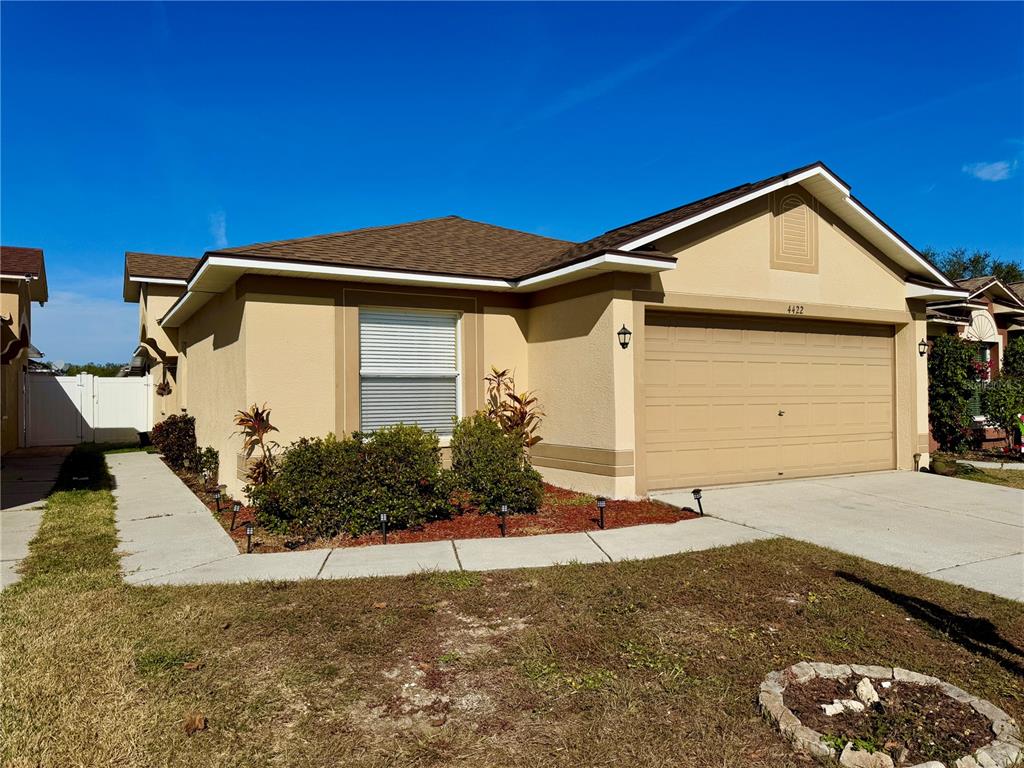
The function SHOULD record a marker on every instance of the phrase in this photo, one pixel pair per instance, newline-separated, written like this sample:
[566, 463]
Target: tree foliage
[1003, 402]
[104, 370]
[952, 380]
[960, 264]
[1013, 357]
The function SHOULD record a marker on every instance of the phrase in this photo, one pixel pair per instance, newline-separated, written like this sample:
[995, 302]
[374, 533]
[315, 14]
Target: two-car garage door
[730, 399]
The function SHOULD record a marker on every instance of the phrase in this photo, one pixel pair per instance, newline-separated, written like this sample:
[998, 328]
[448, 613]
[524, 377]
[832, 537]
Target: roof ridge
[160, 255]
[729, 191]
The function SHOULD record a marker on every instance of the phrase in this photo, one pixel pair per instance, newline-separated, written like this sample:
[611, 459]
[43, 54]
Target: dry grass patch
[652, 663]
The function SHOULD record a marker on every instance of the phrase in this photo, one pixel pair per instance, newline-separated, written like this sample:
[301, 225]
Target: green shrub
[489, 466]
[1013, 357]
[315, 490]
[175, 437]
[1002, 402]
[952, 380]
[326, 486]
[209, 462]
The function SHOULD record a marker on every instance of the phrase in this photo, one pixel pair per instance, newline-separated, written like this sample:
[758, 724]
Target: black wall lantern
[922, 347]
[624, 334]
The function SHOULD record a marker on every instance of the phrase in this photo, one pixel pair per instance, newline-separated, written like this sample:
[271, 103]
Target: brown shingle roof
[450, 245]
[1017, 288]
[159, 266]
[21, 261]
[973, 284]
[620, 235]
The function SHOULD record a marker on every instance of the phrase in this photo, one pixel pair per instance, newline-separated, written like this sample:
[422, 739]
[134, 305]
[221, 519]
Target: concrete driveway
[959, 531]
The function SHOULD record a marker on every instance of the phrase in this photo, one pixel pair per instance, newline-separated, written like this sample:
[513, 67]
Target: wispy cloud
[1000, 170]
[613, 79]
[219, 229]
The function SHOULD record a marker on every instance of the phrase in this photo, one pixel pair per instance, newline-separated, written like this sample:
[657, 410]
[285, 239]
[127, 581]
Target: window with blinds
[408, 369]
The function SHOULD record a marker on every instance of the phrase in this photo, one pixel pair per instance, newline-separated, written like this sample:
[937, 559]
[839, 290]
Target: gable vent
[794, 234]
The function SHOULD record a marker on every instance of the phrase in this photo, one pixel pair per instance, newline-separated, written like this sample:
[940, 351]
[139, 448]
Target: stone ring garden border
[1002, 752]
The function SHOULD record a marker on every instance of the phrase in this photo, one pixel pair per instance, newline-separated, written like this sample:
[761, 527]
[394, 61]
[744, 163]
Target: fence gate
[66, 410]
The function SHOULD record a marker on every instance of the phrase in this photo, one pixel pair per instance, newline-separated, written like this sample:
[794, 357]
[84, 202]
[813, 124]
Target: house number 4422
[796, 309]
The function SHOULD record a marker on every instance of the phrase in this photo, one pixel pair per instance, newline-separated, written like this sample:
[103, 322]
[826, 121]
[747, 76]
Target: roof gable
[155, 268]
[26, 263]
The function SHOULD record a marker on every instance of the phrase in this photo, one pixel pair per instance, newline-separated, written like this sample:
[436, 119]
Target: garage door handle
[782, 413]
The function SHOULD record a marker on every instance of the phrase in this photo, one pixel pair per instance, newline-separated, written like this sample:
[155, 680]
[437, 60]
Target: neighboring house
[768, 331]
[22, 281]
[156, 282]
[989, 316]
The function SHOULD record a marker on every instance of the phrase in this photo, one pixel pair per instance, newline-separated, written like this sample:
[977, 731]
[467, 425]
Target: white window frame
[445, 440]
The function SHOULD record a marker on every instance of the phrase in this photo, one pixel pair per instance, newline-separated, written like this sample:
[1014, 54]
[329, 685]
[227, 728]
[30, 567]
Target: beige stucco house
[22, 281]
[773, 333]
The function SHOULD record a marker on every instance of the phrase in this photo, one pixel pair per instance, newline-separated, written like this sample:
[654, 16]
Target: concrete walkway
[960, 531]
[168, 537]
[27, 476]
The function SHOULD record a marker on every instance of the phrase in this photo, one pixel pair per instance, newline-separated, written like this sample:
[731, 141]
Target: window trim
[457, 375]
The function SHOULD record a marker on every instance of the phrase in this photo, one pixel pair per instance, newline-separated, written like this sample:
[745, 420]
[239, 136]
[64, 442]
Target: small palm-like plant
[254, 426]
[517, 413]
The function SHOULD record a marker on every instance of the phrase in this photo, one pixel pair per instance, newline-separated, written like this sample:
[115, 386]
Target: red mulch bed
[562, 511]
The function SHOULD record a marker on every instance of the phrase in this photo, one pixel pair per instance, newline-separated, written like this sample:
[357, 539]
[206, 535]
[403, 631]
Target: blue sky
[180, 127]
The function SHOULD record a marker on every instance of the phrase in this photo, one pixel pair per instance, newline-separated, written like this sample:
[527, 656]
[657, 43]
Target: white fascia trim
[414, 278]
[899, 243]
[18, 277]
[382, 275]
[159, 280]
[614, 259]
[632, 245]
[915, 291]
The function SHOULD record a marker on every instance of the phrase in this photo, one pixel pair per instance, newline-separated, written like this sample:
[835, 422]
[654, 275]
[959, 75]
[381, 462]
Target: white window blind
[408, 369]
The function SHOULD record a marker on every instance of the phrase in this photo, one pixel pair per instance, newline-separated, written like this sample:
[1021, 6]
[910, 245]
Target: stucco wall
[14, 303]
[212, 377]
[154, 301]
[289, 353]
[729, 255]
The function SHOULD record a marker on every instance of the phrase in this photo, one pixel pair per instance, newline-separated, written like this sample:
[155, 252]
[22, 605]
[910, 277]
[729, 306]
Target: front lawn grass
[1012, 478]
[652, 663]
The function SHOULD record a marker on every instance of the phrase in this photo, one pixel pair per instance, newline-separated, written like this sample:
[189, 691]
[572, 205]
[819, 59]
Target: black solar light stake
[236, 507]
[250, 529]
[216, 498]
[187, 463]
[601, 502]
[697, 497]
[384, 525]
[504, 520]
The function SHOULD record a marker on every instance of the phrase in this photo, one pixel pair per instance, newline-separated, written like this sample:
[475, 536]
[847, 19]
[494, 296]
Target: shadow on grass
[976, 635]
[85, 470]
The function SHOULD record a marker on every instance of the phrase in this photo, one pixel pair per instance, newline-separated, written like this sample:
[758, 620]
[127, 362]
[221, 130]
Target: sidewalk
[168, 537]
[26, 479]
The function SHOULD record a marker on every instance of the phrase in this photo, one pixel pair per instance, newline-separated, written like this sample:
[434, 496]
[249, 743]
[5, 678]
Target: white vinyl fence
[66, 410]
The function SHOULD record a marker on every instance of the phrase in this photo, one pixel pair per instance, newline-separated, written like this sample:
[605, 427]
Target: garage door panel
[716, 419]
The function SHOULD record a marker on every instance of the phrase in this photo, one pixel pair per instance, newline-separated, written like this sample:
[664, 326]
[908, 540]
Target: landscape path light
[697, 497]
[250, 529]
[504, 520]
[236, 507]
[384, 525]
[601, 503]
